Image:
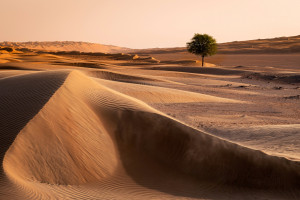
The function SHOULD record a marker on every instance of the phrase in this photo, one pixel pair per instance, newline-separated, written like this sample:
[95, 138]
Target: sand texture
[123, 126]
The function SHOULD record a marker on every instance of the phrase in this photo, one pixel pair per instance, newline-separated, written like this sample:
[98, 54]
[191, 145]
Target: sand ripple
[67, 136]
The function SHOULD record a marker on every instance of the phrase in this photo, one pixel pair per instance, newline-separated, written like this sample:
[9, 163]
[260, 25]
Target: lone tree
[204, 45]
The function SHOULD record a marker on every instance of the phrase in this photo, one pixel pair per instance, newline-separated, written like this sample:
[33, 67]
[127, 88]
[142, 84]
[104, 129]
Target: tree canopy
[202, 44]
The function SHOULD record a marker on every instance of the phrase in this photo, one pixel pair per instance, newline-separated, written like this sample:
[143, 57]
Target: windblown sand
[116, 126]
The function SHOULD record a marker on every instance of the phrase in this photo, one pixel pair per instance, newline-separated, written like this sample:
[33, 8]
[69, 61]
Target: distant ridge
[67, 46]
[272, 45]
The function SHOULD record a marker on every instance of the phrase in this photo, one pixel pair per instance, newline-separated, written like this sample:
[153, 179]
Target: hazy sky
[146, 23]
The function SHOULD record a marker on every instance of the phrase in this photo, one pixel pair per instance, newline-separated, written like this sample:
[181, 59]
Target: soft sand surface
[91, 126]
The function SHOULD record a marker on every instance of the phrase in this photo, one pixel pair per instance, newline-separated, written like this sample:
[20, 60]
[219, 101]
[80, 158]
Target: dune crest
[76, 152]
[88, 132]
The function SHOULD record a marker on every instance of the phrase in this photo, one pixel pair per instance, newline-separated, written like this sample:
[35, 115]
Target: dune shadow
[13, 67]
[162, 154]
[200, 70]
[21, 98]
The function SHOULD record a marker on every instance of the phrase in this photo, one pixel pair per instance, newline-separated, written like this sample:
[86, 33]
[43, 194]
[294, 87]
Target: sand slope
[87, 133]
[98, 127]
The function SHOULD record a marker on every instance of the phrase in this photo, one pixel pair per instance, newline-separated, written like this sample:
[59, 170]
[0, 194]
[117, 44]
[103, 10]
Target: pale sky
[146, 23]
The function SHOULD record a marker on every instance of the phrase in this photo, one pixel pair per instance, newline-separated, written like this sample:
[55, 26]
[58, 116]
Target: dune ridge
[270, 45]
[85, 132]
[65, 46]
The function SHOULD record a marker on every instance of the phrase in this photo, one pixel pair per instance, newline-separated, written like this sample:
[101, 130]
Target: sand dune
[54, 148]
[128, 132]
[66, 46]
[152, 94]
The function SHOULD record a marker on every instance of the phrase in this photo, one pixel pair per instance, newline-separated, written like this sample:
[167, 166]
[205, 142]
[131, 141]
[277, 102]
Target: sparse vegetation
[203, 45]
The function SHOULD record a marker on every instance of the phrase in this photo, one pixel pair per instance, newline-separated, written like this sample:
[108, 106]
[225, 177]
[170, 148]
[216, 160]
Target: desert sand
[66, 46]
[124, 126]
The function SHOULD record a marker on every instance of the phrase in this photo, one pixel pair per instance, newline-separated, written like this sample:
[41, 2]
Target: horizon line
[141, 48]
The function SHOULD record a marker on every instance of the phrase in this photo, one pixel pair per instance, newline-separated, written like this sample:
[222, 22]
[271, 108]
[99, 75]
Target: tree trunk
[202, 60]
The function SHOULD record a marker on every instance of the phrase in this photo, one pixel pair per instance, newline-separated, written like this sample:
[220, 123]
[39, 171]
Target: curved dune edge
[88, 133]
[122, 77]
[153, 94]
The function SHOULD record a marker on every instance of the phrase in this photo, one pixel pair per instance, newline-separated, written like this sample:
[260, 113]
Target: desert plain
[150, 124]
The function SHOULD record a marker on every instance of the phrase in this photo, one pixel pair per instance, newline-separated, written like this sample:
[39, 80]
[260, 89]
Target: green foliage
[204, 45]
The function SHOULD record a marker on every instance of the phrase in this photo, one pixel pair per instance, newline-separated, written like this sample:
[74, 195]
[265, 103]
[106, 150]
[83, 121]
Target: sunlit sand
[154, 125]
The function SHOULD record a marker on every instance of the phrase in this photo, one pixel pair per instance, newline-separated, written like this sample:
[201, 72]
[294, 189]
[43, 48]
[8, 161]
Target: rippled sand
[116, 126]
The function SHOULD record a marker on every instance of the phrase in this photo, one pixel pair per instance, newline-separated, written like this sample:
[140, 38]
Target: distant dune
[273, 45]
[67, 46]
